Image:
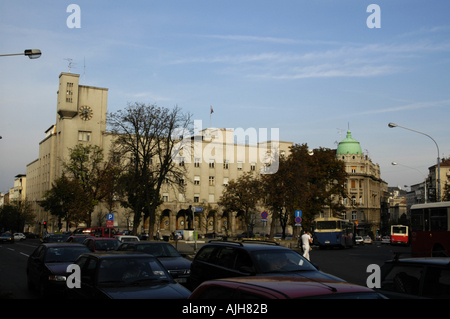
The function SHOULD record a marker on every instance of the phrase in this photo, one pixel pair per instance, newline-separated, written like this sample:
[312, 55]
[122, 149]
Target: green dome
[349, 145]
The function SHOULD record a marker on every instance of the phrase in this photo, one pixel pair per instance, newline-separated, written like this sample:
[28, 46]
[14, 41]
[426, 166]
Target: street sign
[264, 216]
[110, 216]
[197, 209]
[110, 223]
[298, 213]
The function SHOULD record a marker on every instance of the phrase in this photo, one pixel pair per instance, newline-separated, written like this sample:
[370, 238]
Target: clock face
[85, 113]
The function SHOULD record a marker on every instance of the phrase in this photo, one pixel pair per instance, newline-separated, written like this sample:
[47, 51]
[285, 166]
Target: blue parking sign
[110, 217]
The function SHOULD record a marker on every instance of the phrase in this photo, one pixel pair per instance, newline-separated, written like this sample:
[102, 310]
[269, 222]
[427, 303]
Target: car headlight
[57, 278]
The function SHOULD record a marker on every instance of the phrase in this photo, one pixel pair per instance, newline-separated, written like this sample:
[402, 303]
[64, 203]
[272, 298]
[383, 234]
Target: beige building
[18, 192]
[364, 185]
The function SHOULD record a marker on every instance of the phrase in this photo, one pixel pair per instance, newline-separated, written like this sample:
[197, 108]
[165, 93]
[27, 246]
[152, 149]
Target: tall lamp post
[31, 53]
[392, 125]
[424, 177]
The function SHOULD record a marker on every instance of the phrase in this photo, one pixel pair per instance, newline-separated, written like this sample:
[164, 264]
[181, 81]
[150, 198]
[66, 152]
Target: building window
[196, 198]
[353, 169]
[211, 198]
[166, 197]
[225, 164]
[211, 164]
[225, 181]
[354, 217]
[196, 180]
[252, 166]
[197, 162]
[211, 181]
[84, 136]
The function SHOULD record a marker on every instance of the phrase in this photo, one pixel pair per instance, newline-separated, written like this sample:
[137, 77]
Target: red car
[281, 287]
[99, 244]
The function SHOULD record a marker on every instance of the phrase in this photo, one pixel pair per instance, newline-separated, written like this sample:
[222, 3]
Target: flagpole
[210, 113]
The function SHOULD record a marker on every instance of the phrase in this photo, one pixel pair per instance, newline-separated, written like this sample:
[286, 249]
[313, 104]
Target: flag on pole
[212, 111]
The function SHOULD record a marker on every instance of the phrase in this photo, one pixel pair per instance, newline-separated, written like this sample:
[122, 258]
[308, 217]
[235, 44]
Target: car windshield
[159, 250]
[273, 261]
[57, 238]
[64, 254]
[106, 245]
[131, 270]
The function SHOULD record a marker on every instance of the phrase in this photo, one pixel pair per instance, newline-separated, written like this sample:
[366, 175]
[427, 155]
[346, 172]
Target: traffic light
[45, 224]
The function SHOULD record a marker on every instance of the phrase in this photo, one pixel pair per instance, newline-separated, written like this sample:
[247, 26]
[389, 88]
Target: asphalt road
[349, 264]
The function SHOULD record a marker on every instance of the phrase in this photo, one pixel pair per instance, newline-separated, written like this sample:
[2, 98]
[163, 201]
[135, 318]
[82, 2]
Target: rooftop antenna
[71, 64]
[340, 133]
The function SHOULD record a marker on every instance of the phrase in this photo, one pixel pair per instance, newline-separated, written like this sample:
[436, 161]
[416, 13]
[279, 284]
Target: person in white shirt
[306, 241]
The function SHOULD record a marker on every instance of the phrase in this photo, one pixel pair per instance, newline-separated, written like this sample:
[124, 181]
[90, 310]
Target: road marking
[10, 249]
[25, 254]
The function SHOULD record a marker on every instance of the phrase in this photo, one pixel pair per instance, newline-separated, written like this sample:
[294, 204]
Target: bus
[430, 229]
[399, 235]
[334, 232]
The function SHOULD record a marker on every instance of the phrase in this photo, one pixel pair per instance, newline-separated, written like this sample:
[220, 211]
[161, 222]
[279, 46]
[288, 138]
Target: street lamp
[392, 125]
[425, 178]
[31, 53]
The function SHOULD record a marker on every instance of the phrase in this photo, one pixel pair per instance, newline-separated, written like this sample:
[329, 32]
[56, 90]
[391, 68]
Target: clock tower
[81, 115]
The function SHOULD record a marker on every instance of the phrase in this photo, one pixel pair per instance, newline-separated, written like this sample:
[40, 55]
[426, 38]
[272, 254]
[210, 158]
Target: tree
[65, 200]
[16, 215]
[242, 195]
[147, 136]
[306, 180]
[86, 165]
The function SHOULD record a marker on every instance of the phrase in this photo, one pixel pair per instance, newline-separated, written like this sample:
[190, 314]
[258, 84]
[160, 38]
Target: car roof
[102, 238]
[436, 261]
[62, 244]
[147, 243]
[117, 254]
[292, 286]
[249, 245]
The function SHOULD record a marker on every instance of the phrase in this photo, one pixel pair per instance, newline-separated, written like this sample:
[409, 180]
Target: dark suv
[225, 259]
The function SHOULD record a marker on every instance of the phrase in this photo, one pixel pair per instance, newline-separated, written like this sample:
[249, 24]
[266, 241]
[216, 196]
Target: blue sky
[309, 68]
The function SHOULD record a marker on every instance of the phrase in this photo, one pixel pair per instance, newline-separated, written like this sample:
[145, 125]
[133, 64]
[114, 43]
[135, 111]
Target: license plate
[327, 242]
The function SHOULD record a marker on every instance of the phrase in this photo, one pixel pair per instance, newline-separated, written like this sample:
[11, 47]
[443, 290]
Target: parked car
[98, 244]
[172, 260]
[285, 287]
[222, 259]
[77, 238]
[55, 238]
[47, 266]
[245, 234]
[7, 238]
[125, 275]
[359, 240]
[416, 278]
[19, 236]
[96, 231]
[126, 238]
[386, 240]
[367, 240]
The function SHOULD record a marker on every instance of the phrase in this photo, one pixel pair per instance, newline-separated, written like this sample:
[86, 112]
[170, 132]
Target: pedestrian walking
[306, 244]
